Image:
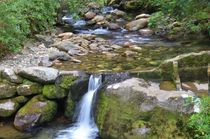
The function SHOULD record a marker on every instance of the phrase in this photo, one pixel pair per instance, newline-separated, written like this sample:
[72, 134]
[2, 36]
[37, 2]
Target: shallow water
[153, 51]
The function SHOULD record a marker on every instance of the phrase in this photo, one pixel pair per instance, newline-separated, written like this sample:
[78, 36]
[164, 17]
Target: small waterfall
[85, 127]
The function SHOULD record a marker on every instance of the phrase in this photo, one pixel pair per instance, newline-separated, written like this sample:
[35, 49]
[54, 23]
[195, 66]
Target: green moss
[69, 109]
[117, 119]
[67, 81]
[167, 71]
[54, 92]
[168, 86]
[40, 105]
[21, 99]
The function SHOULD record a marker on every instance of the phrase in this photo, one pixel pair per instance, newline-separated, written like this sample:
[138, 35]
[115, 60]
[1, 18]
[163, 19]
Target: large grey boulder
[137, 24]
[37, 111]
[10, 75]
[148, 96]
[7, 90]
[39, 74]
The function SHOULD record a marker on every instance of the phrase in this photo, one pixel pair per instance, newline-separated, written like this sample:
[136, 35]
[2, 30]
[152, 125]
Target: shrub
[199, 123]
[22, 18]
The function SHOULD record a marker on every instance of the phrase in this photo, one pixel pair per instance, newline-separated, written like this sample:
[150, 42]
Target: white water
[85, 127]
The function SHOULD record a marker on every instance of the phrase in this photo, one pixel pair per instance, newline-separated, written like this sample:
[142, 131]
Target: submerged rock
[146, 32]
[39, 74]
[37, 111]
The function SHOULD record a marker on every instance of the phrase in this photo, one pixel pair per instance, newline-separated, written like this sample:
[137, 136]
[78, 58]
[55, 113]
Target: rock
[65, 45]
[137, 24]
[146, 32]
[118, 12]
[37, 111]
[167, 86]
[29, 88]
[7, 90]
[113, 26]
[94, 5]
[66, 35]
[105, 48]
[98, 18]
[148, 96]
[47, 40]
[90, 15]
[39, 74]
[54, 92]
[9, 106]
[76, 60]
[135, 47]
[116, 46]
[59, 56]
[142, 16]
[130, 5]
[78, 88]
[45, 61]
[93, 46]
[10, 75]
[129, 53]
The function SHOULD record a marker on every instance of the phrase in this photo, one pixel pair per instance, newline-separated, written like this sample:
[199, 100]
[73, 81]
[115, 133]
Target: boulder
[10, 75]
[29, 88]
[9, 106]
[118, 12]
[148, 96]
[146, 32]
[54, 92]
[94, 5]
[64, 45]
[39, 74]
[37, 111]
[113, 26]
[66, 35]
[137, 24]
[7, 90]
[59, 55]
[90, 15]
[142, 16]
[98, 18]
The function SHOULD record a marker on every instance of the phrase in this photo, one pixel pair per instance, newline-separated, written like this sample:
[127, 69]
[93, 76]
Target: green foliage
[22, 18]
[199, 123]
[193, 14]
[77, 6]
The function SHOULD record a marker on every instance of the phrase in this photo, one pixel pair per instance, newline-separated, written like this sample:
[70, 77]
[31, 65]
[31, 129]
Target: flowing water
[85, 127]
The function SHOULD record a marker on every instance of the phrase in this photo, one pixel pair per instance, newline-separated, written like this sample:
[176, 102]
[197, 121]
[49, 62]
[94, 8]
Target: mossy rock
[117, 119]
[54, 92]
[29, 88]
[37, 111]
[168, 86]
[8, 107]
[7, 90]
[69, 106]
[66, 81]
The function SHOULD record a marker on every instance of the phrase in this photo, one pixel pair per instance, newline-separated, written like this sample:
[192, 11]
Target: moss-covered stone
[37, 111]
[168, 86]
[29, 88]
[69, 106]
[7, 90]
[66, 81]
[54, 92]
[117, 119]
[9, 106]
